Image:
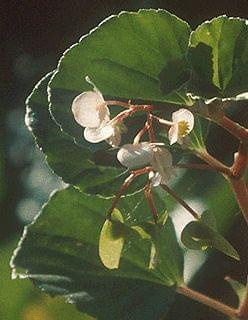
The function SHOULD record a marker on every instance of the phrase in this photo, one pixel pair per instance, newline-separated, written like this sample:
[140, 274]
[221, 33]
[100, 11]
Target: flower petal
[89, 109]
[95, 135]
[162, 163]
[115, 139]
[184, 115]
[135, 155]
[155, 178]
[173, 134]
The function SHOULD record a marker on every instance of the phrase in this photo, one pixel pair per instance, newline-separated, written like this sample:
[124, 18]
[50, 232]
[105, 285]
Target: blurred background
[34, 36]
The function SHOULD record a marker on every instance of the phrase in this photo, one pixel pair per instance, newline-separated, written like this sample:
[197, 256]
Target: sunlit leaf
[127, 56]
[112, 240]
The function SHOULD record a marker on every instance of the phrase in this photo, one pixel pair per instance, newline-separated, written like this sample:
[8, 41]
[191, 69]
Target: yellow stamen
[183, 128]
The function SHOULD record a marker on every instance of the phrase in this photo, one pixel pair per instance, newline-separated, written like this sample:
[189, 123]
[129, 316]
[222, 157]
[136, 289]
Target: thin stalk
[150, 201]
[150, 128]
[197, 166]
[181, 201]
[125, 185]
[140, 134]
[210, 302]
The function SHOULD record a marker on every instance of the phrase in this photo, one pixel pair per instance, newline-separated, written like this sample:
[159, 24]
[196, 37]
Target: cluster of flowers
[91, 111]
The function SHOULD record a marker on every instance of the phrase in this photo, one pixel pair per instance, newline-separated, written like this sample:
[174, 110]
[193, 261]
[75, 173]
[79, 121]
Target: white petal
[155, 178]
[162, 163]
[95, 135]
[184, 115]
[89, 109]
[115, 139]
[137, 155]
[173, 134]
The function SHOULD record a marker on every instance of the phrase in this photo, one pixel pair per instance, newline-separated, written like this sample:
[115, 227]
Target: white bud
[135, 155]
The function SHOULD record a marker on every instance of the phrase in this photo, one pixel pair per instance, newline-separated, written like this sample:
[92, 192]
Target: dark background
[34, 35]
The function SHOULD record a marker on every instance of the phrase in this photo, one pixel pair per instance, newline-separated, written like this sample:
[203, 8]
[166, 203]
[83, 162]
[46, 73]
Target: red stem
[241, 193]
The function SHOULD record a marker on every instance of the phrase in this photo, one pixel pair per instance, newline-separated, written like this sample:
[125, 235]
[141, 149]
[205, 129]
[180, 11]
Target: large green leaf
[74, 163]
[218, 54]
[127, 56]
[59, 252]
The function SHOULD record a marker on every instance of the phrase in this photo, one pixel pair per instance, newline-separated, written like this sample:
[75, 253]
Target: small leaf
[166, 255]
[112, 240]
[218, 55]
[201, 234]
[238, 287]
[199, 134]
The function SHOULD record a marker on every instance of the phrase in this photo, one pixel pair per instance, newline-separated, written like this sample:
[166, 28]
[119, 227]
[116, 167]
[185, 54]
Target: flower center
[183, 128]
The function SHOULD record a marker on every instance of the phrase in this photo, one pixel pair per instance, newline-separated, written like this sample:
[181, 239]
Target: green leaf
[199, 134]
[126, 57]
[75, 164]
[111, 240]
[238, 288]
[59, 252]
[202, 234]
[164, 245]
[218, 55]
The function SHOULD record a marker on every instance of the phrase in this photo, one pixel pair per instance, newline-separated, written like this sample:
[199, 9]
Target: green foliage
[218, 55]
[198, 136]
[24, 301]
[203, 234]
[59, 250]
[127, 267]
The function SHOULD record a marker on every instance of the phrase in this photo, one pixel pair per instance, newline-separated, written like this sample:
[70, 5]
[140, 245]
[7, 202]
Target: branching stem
[210, 302]
[150, 201]
[125, 185]
[233, 127]
[214, 163]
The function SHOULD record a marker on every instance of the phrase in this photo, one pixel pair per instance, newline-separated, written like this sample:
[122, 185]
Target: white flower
[183, 123]
[146, 153]
[91, 111]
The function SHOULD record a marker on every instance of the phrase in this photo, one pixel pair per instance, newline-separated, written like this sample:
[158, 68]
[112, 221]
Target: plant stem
[150, 201]
[181, 201]
[240, 160]
[125, 185]
[197, 166]
[210, 302]
[214, 163]
[233, 127]
[241, 193]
